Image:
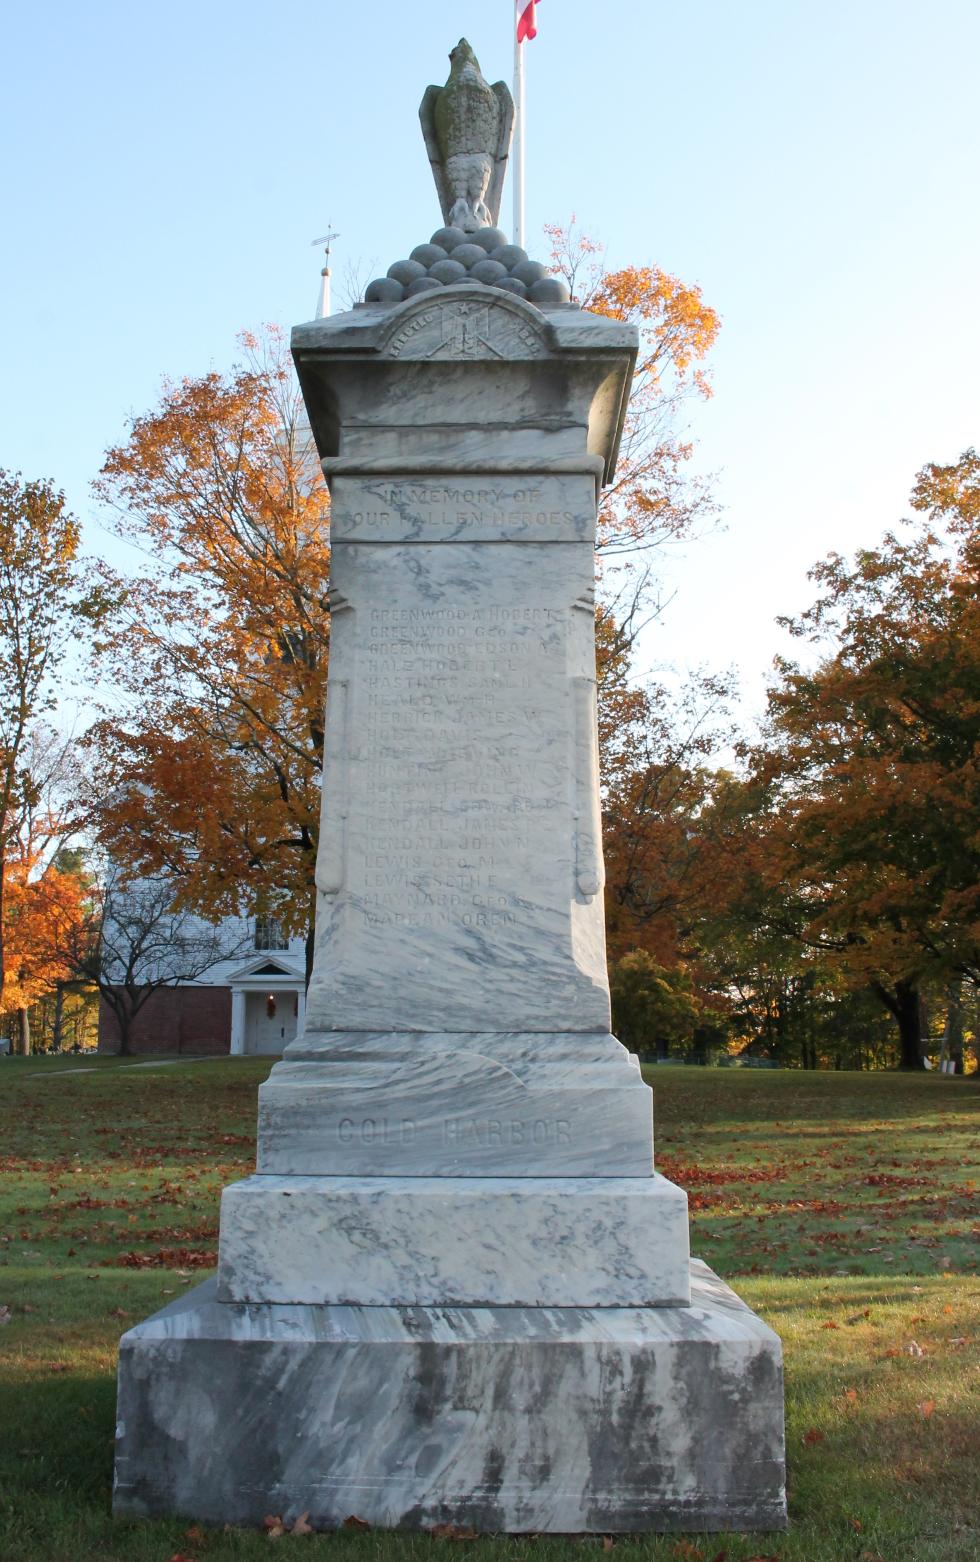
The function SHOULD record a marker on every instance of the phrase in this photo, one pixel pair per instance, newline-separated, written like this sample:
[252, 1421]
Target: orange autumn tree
[45, 912]
[208, 753]
[43, 605]
[46, 908]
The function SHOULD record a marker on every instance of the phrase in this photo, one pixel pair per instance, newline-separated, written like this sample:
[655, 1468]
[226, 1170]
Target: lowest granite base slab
[455, 1241]
[510, 1420]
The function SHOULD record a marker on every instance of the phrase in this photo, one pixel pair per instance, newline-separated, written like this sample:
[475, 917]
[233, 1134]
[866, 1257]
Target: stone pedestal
[455, 1288]
[511, 1419]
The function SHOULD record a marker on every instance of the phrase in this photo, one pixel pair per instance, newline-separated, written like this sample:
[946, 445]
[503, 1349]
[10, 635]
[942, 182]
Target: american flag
[527, 26]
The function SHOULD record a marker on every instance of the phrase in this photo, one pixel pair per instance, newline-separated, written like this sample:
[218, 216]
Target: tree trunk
[908, 1015]
[952, 1047]
[124, 1018]
[59, 1018]
[904, 1004]
[22, 1036]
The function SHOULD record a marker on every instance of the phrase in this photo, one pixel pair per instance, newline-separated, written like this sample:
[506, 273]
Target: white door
[270, 1020]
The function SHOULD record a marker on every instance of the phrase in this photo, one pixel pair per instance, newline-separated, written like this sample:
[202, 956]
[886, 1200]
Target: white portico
[268, 1002]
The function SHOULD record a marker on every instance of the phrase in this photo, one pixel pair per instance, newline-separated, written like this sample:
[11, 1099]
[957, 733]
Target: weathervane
[323, 301]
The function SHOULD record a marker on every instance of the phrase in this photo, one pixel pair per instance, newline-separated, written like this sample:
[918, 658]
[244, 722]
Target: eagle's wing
[500, 153]
[427, 116]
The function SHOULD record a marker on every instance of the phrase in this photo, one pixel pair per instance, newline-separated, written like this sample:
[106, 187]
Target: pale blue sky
[814, 168]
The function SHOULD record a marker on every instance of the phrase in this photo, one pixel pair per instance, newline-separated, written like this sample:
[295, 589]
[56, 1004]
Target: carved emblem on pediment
[465, 330]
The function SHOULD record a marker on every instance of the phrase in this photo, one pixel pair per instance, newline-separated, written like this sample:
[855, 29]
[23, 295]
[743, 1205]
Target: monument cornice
[368, 327]
[391, 355]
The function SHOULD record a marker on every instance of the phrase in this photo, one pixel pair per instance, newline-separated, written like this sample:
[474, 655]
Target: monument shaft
[459, 985]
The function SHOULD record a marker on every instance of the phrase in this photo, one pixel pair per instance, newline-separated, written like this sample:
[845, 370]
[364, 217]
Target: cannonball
[384, 290]
[509, 255]
[446, 270]
[406, 271]
[512, 285]
[428, 254]
[469, 254]
[488, 271]
[422, 285]
[448, 238]
[488, 238]
[550, 290]
[528, 272]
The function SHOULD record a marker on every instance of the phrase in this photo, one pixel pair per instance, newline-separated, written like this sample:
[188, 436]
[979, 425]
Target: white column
[301, 1012]
[237, 1021]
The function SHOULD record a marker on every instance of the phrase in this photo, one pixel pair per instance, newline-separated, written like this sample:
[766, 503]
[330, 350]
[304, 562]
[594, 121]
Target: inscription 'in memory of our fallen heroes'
[532, 509]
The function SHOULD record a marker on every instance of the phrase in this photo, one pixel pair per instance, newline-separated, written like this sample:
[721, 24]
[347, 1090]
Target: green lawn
[844, 1208]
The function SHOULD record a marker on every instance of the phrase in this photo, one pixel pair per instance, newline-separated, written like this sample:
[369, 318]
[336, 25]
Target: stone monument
[455, 1289]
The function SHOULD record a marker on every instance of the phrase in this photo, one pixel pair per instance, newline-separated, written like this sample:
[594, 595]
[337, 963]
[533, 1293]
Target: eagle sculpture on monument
[467, 125]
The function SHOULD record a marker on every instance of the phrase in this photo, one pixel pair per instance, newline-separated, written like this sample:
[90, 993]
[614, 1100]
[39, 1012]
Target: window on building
[268, 933]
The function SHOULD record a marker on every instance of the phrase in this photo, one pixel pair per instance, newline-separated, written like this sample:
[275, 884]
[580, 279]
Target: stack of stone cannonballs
[453, 257]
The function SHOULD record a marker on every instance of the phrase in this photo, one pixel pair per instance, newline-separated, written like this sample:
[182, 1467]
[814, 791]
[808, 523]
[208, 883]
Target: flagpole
[519, 138]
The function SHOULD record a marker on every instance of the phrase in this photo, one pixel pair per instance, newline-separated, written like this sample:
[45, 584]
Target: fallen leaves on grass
[273, 1525]
[195, 1533]
[302, 1526]
[851, 1395]
[178, 1258]
[925, 1408]
[353, 1522]
[811, 1437]
[452, 1532]
[913, 1348]
[4, 1315]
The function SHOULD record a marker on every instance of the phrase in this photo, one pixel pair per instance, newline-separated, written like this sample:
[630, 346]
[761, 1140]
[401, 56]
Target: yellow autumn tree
[655, 497]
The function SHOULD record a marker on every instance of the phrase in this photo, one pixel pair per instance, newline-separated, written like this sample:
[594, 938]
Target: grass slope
[843, 1207]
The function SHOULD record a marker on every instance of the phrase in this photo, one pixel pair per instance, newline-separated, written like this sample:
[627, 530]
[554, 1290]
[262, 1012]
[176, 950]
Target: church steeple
[323, 301]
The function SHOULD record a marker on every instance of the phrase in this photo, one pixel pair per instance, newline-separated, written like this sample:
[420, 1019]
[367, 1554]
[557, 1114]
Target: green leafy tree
[653, 1006]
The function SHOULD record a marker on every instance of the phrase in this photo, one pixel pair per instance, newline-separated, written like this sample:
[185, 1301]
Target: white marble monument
[455, 1289]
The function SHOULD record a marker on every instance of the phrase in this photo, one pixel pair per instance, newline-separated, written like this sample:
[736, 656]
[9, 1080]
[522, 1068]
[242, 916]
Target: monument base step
[432, 1104]
[455, 1241]
[560, 1420]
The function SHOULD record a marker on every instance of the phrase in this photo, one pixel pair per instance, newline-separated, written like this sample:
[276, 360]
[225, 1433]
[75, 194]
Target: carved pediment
[464, 325]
